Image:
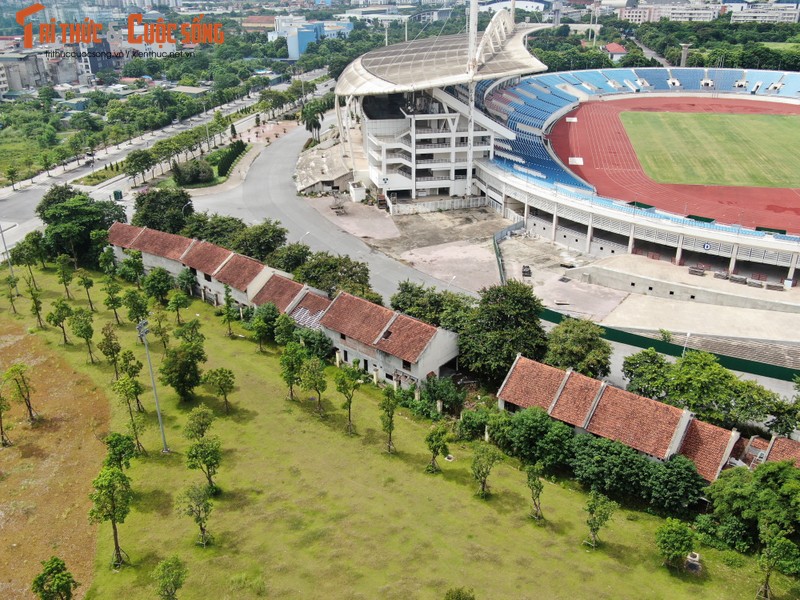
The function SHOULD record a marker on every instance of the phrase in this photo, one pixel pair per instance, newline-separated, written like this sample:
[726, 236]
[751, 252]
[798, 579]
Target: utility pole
[143, 331]
[8, 258]
[472, 68]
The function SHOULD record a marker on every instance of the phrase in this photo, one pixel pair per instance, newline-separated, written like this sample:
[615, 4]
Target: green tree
[648, 374]
[222, 381]
[128, 390]
[536, 486]
[162, 209]
[36, 246]
[46, 160]
[158, 323]
[23, 254]
[86, 282]
[136, 303]
[121, 449]
[12, 174]
[199, 422]
[195, 502]
[110, 347]
[387, 407]
[36, 305]
[138, 162]
[55, 582]
[71, 224]
[484, 459]
[262, 323]
[4, 408]
[292, 359]
[131, 269]
[675, 485]
[348, 379]
[206, 455]
[578, 344]
[312, 378]
[81, 324]
[778, 552]
[11, 293]
[330, 273]
[260, 241]
[229, 311]
[157, 284]
[289, 257]
[169, 576]
[600, 510]
[460, 593]
[178, 300]
[442, 391]
[674, 539]
[113, 300]
[64, 272]
[180, 368]
[284, 329]
[436, 440]
[506, 322]
[186, 281]
[111, 501]
[55, 195]
[60, 312]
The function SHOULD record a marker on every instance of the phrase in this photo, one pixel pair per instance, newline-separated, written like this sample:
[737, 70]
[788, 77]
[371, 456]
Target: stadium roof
[435, 62]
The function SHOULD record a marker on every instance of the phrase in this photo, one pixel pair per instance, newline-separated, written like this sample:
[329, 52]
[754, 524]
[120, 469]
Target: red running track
[611, 166]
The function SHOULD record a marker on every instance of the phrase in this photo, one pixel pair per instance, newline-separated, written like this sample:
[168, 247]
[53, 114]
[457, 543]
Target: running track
[611, 166]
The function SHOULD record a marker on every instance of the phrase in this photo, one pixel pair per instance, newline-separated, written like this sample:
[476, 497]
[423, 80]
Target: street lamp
[143, 331]
[8, 257]
[303, 236]
[449, 283]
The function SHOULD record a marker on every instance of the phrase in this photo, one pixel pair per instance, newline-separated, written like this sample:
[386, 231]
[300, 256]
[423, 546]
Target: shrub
[194, 171]
[472, 424]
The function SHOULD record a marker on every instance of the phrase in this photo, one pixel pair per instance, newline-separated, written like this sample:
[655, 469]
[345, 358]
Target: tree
[536, 486]
[128, 390]
[21, 387]
[233, 131]
[81, 324]
[180, 368]
[436, 440]
[110, 347]
[647, 372]
[778, 552]
[348, 379]
[284, 329]
[60, 312]
[675, 485]
[158, 323]
[292, 360]
[138, 162]
[442, 392]
[36, 305]
[330, 273]
[600, 510]
[262, 323]
[57, 194]
[169, 576]
[199, 422]
[111, 502]
[223, 381]
[387, 407]
[178, 300]
[71, 224]
[131, 269]
[86, 282]
[136, 303]
[55, 582]
[228, 309]
[216, 229]
[112, 300]
[157, 284]
[12, 173]
[11, 293]
[64, 272]
[289, 257]
[121, 449]
[162, 209]
[46, 160]
[578, 344]
[195, 502]
[484, 459]
[312, 378]
[206, 455]
[314, 341]
[460, 593]
[23, 254]
[260, 241]
[506, 322]
[186, 282]
[674, 540]
[4, 408]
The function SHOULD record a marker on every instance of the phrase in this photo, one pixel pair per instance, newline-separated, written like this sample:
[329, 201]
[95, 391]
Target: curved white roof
[438, 62]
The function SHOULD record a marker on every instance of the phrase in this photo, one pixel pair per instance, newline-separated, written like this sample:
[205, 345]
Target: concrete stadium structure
[461, 121]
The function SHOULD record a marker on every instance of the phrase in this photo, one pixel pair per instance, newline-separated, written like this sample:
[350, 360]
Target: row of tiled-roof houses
[399, 349]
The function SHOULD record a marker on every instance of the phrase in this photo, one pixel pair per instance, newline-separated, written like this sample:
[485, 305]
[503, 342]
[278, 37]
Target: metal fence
[413, 208]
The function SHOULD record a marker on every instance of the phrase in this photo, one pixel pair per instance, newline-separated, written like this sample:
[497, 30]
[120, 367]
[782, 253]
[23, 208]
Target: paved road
[651, 53]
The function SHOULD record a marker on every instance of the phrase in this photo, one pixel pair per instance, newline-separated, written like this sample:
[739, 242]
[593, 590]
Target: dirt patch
[470, 266]
[45, 477]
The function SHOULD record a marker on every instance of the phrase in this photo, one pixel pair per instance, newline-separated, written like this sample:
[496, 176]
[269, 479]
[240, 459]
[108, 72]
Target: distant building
[299, 33]
[258, 23]
[671, 12]
[767, 13]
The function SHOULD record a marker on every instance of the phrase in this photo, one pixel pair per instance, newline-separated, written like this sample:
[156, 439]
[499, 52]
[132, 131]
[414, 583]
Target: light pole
[143, 331]
[303, 237]
[8, 258]
[685, 341]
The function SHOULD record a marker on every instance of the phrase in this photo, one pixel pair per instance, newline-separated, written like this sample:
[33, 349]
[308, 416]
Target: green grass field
[716, 149]
[306, 511]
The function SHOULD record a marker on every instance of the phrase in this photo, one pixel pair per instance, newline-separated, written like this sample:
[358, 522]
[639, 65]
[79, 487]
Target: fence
[413, 208]
[500, 235]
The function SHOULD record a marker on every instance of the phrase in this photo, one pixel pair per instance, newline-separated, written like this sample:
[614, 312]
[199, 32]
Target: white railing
[418, 207]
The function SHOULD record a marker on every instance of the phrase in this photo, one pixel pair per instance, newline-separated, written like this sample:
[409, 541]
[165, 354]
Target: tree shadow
[143, 567]
[505, 501]
[371, 437]
[31, 450]
[153, 501]
[239, 498]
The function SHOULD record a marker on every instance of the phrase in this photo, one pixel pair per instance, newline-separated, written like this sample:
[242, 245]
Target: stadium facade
[469, 116]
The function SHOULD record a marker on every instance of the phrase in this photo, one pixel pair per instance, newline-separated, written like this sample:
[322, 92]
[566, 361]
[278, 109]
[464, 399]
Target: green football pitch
[716, 149]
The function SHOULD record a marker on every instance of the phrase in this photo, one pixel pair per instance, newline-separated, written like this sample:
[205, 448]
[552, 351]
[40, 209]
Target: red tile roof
[205, 257]
[122, 234]
[278, 290]
[758, 443]
[738, 448]
[576, 400]
[614, 48]
[406, 338]
[531, 383]
[158, 243]
[356, 318]
[643, 424]
[785, 449]
[706, 446]
[239, 271]
[313, 303]
[259, 19]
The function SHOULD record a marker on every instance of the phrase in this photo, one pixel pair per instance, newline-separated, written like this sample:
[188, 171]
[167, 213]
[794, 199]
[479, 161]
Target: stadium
[689, 165]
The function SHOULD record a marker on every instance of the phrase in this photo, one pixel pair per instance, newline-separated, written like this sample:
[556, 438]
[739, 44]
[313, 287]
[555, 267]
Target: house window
[207, 277]
[406, 365]
[193, 271]
[345, 357]
[389, 377]
[342, 336]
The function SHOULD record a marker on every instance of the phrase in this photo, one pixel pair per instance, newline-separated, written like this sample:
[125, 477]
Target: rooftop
[204, 256]
[785, 449]
[239, 271]
[278, 290]
[310, 309]
[576, 399]
[122, 234]
[371, 321]
[531, 383]
[706, 446]
[406, 338]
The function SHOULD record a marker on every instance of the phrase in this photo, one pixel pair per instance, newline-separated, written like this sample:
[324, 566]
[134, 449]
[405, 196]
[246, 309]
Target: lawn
[306, 511]
[716, 149]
